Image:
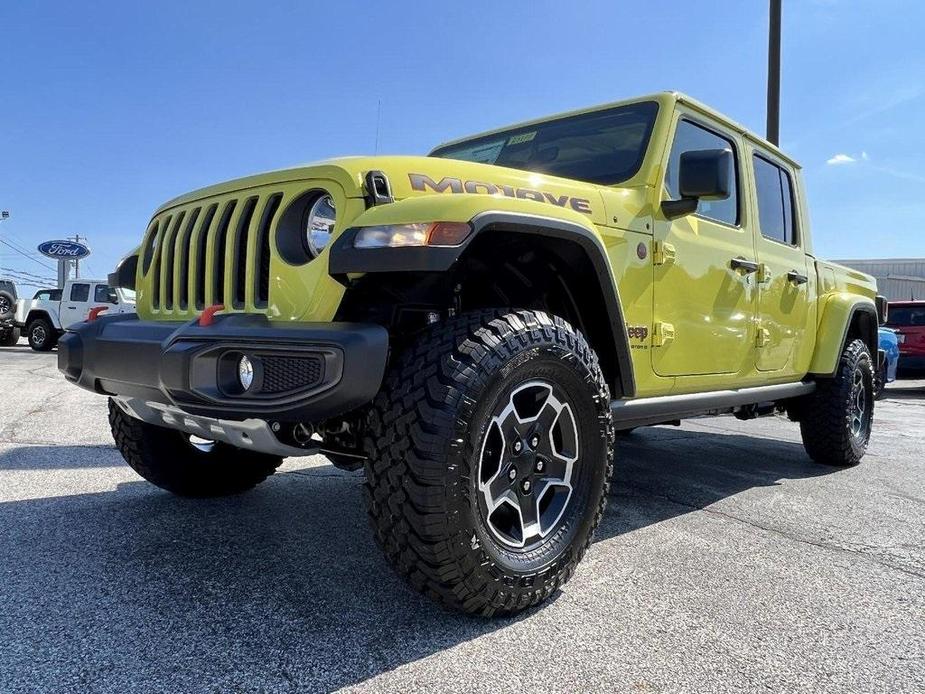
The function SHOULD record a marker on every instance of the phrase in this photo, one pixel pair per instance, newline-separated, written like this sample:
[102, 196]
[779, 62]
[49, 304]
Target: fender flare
[837, 316]
[346, 259]
[42, 313]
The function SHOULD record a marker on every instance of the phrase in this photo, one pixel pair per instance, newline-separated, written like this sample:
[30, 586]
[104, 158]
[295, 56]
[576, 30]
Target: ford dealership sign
[64, 250]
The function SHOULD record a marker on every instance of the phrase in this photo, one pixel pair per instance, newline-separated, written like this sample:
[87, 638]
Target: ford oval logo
[64, 250]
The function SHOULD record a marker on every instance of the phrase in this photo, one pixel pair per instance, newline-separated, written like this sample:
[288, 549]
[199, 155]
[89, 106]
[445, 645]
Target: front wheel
[490, 451]
[836, 419]
[174, 461]
[41, 335]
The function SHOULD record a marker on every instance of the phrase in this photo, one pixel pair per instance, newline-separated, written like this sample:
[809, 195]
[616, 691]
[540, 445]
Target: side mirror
[704, 174]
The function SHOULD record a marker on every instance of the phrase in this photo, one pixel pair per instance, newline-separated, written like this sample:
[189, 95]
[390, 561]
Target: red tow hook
[208, 316]
[95, 312]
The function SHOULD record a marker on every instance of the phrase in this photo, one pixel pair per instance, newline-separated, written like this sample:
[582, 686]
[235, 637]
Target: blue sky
[109, 108]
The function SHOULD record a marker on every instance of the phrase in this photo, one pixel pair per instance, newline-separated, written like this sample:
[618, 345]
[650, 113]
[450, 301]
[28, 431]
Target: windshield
[603, 147]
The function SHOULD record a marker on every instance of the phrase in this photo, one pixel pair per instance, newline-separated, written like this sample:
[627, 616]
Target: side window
[104, 294]
[80, 292]
[688, 138]
[774, 189]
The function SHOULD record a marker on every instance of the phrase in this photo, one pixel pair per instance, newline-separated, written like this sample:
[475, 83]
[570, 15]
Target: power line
[26, 255]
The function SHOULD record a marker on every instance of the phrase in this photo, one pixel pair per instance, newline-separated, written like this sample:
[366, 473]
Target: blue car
[889, 343]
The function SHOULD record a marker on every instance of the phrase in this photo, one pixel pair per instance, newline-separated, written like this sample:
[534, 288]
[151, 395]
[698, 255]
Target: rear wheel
[183, 464]
[490, 451]
[41, 334]
[835, 420]
[9, 337]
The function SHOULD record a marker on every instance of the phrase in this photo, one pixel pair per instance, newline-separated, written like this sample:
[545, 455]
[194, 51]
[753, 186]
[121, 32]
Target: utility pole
[77, 260]
[773, 121]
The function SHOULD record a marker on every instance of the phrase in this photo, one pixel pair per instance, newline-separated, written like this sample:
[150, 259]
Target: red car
[907, 318]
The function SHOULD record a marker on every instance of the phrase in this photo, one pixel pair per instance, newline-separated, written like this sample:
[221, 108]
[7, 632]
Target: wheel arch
[570, 246]
[844, 317]
[42, 313]
[594, 288]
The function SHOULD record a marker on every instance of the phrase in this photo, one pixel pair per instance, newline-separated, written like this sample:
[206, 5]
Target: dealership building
[898, 279]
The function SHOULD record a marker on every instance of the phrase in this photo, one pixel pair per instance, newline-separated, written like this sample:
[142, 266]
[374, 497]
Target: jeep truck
[51, 311]
[471, 328]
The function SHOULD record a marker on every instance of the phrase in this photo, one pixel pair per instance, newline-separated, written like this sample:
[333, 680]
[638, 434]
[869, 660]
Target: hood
[411, 176]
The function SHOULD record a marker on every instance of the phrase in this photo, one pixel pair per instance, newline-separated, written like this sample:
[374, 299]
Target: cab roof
[664, 99]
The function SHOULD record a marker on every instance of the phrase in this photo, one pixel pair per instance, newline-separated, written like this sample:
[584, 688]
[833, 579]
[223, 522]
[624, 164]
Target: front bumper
[306, 372]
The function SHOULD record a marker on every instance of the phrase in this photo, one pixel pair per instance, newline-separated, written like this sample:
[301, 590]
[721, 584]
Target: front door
[784, 281]
[705, 293]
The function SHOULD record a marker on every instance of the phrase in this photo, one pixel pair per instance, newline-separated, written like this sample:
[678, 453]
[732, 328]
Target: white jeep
[46, 316]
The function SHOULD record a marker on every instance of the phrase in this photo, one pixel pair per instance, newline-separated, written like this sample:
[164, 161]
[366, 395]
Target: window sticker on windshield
[482, 153]
[520, 139]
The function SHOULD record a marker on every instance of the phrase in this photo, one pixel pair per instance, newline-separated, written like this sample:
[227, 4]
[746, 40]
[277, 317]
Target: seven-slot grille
[204, 254]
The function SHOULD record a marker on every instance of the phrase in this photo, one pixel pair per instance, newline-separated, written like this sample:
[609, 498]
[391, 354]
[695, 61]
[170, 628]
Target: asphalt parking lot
[727, 561]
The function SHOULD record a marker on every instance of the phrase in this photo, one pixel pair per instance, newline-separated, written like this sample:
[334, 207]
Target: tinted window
[603, 147]
[900, 316]
[80, 292]
[775, 201]
[42, 295]
[690, 138]
[104, 294]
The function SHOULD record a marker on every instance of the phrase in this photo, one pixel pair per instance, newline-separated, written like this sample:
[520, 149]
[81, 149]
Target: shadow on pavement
[44, 457]
[282, 587]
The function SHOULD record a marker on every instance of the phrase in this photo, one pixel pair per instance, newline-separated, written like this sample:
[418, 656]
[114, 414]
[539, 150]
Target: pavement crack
[775, 531]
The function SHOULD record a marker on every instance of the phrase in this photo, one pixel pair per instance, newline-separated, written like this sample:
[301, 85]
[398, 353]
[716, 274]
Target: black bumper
[303, 371]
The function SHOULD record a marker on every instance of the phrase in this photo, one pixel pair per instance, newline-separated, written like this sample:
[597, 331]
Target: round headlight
[319, 225]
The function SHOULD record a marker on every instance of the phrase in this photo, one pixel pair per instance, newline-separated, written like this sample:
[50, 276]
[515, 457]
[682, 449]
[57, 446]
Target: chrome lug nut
[526, 486]
[512, 474]
[518, 446]
[534, 441]
[540, 465]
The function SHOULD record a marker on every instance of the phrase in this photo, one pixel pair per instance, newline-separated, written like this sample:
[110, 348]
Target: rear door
[705, 300]
[784, 281]
[75, 304]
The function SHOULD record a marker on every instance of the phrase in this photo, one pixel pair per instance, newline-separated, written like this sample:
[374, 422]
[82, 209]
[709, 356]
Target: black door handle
[797, 278]
[742, 264]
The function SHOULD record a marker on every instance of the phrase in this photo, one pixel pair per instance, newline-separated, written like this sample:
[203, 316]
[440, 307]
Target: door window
[774, 188]
[689, 138]
[105, 294]
[80, 292]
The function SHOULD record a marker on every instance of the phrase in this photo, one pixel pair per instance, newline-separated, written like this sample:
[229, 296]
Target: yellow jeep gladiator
[473, 326]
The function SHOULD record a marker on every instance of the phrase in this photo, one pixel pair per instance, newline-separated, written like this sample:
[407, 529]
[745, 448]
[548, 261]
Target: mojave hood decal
[423, 182]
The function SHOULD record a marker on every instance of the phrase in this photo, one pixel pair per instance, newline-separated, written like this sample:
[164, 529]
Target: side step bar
[643, 411]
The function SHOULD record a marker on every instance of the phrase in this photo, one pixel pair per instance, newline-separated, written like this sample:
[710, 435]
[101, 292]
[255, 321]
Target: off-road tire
[166, 458]
[827, 416]
[9, 337]
[34, 331]
[425, 435]
[7, 304]
[880, 381]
